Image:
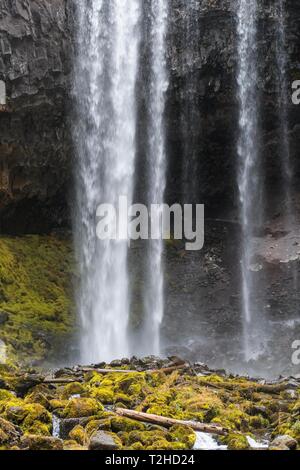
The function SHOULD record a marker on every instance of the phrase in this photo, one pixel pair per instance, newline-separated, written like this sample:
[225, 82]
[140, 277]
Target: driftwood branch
[61, 381]
[168, 422]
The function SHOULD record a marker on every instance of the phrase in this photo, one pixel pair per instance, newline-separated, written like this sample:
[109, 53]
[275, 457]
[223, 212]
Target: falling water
[154, 292]
[105, 77]
[249, 179]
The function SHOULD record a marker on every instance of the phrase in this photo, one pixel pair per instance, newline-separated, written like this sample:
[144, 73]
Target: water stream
[105, 79]
[249, 170]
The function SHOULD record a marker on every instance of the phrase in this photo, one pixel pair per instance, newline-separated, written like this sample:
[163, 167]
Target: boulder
[102, 440]
[34, 442]
[284, 443]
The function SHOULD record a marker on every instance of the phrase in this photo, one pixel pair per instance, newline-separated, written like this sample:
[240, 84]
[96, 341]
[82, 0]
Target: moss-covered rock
[183, 434]
[33, 442]
[126, 425]
[35, 290]
[78, 434]
[72, 389]
[236, 442]
[81, 408]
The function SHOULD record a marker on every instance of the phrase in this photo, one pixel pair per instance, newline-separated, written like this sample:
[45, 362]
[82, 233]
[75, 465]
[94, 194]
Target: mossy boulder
[71, 389]
[81, 408]
[183, 434]
[78, 434]
[98, 425]
[236, 442]
[8, 432]
[34, 442]
[31, 417]
[126, 425]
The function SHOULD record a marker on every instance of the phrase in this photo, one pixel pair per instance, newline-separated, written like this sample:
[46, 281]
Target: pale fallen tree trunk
[168, 422]
[61, 381]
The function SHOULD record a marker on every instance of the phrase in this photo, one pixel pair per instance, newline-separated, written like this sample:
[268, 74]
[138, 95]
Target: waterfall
[249, 177]
[154, 289]
[105, 132]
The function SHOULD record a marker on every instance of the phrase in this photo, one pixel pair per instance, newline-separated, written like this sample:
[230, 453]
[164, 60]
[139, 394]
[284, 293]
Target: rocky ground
[81, 408]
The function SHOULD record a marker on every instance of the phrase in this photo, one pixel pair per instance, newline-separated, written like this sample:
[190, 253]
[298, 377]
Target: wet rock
[66, 425]
[102, 440]
[9, 434]
[284, 443]
[35, 151]
[34, 442]
[26, 382]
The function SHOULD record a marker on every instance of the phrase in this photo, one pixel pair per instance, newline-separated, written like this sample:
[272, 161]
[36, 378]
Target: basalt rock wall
[36, 48]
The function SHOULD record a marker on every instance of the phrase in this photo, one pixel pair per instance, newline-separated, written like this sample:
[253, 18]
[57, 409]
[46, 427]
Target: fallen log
[168, 422]
[108, 371]
[167, 370]
[61, 381]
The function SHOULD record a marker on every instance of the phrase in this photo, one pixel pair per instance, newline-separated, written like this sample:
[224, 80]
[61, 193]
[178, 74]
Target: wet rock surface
[35, 64]
[248, 411]
[36, 156]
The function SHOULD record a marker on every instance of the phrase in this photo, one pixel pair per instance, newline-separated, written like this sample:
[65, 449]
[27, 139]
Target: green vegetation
[243, 407]
[35, 293]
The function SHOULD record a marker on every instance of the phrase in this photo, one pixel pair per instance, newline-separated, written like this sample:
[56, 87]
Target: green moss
[236, 442]
[162, 444]
[105, 395]
[56, 404]
[73, 445]
[126, 425]
[39, 429]
[38, 442]
[96, 425]
[35, 290]
[183, 434]
[36, 412]
[136, 446]
[81, 408]
[74, 388]
[6, 395]
[38, 397]
[78, 434]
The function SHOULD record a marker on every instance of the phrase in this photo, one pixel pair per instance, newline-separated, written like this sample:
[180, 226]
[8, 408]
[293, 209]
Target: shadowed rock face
[203, 94]
[36, 46]
[35, 64]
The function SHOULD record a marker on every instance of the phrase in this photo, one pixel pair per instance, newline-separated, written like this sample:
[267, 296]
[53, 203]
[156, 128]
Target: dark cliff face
[35, 149]
[203, 95]
[202, 107]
